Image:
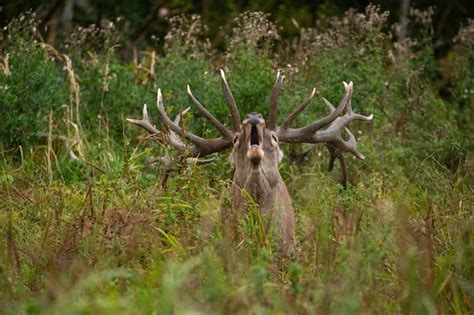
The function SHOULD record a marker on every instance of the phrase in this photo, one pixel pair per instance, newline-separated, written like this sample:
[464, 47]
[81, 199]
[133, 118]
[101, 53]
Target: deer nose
[253, 119]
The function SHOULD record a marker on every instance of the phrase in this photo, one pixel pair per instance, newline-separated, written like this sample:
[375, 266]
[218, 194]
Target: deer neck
[262, 184]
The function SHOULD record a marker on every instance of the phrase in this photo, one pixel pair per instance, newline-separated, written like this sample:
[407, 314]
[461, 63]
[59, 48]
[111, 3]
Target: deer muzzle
[255, 153]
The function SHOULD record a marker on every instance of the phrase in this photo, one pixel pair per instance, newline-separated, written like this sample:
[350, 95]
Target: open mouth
[255, 152]
[254, 137]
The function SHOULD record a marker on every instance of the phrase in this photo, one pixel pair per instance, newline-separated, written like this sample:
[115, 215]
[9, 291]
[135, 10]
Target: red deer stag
[256, 154]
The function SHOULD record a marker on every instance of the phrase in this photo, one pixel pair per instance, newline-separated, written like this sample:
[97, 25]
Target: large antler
[327, 129]
[201, 146]
[167, 163]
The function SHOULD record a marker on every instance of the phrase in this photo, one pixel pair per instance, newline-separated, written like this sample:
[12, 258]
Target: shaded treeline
[146, 18]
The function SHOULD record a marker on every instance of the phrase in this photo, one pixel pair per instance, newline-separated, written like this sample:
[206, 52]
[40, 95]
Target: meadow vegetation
[86, 226]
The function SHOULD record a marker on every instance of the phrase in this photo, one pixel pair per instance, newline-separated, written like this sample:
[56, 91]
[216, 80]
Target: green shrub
[34, 87]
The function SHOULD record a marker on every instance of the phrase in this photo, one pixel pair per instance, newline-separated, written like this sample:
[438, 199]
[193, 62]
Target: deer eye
[236, 138]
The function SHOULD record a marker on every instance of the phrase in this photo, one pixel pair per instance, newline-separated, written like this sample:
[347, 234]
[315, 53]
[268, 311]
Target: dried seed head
[189, 35]
[254, 29]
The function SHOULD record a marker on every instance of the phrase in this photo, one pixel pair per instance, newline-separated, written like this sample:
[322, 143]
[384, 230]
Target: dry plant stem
[74, 96]
[75, 90]
[78, 140]
[168, 165]
[105, 88]
[152, 73]
[49, 147]
[6, 66]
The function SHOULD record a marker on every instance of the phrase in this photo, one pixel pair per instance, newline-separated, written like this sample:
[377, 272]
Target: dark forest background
[143, 19]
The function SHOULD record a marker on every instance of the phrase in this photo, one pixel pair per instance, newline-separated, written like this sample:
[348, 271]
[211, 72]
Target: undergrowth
[87, 227]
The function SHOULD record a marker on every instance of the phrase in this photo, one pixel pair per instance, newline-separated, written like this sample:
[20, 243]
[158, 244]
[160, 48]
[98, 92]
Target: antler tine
[177, 119]
[213, 120]
[333, 133]
[202, 146]
[328, 104]
[349, 111]
[144, 122]
[306, 134]
[273, 110]
[234, 111]
[171, 125]
[173, 138]
[351, 144]
[312, 132]
[167, 163]
[323, 122]
[286, 123]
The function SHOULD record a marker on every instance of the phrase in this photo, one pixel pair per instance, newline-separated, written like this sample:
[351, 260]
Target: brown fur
[262, 180]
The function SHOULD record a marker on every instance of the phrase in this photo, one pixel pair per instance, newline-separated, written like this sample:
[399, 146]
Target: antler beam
[333, 134]
[201, 146]
[333, 123]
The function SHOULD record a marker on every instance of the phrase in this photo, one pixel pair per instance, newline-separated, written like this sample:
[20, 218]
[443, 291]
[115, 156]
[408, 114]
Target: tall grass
[99, 234]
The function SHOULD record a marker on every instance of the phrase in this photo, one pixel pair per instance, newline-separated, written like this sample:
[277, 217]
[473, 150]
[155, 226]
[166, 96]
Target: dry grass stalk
[74, 86]
[74, 98]
[152, 65]
[77, 140]
[50, 50]
[13, 253]
[50, 147]
[5, 66]
[106, 77]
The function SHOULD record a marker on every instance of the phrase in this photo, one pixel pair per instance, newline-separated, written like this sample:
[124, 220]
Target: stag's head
[255, 141]
[255, 145]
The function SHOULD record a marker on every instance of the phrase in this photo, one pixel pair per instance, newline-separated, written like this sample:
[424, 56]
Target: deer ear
[274, 140]
[236, 137]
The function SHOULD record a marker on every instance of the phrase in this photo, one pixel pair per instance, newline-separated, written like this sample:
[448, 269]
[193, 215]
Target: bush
[32, 85]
